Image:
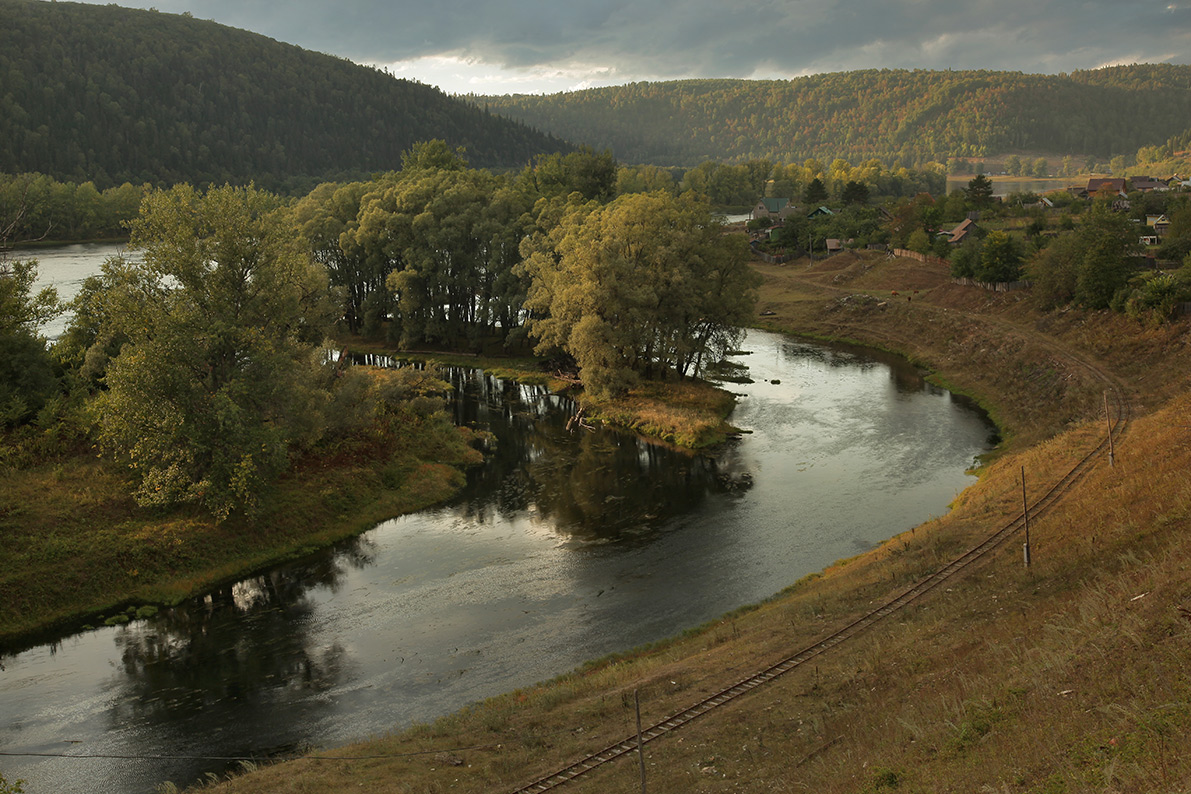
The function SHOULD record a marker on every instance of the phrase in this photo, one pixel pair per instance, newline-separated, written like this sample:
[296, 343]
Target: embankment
[1068, 676]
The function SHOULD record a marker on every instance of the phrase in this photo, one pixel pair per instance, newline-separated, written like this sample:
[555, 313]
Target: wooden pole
[640, 741]
[1025, 507]
[1108, 421]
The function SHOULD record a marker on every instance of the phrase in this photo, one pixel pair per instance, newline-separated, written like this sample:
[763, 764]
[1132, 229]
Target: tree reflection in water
[593, 486]
[211, 664]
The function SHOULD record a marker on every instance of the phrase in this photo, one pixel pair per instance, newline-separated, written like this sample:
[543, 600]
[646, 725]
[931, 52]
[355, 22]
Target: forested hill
[914, 116]
[110, 94]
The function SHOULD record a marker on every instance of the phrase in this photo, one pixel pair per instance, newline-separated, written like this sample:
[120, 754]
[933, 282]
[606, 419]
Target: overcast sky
[534, 46]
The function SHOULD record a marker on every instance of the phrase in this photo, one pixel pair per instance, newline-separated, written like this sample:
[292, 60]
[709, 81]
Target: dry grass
[690, 414]
[1071, 676]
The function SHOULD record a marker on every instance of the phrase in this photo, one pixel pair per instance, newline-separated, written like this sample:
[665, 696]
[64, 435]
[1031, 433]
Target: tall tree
[220, 375]
[1109, 241]
[1000, 258]
[980, 191]
[648, 285]
[816, 192]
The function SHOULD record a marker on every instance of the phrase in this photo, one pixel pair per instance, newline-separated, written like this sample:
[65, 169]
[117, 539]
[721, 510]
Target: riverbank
[79, 551]
[690, 414]
[1066, 676]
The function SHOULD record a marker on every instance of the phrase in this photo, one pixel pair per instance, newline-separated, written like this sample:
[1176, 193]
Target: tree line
[896, 116]
[38, 207]
[203, 366]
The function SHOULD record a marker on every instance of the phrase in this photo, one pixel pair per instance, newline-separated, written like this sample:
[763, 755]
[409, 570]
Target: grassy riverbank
[1067, 676]
[78, 549]
[691, 414]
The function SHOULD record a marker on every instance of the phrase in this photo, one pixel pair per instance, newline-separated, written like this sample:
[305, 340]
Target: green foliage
[326, 219]
[368, 402]
[27, 374]
[27, 378]
[913, 117]
[854, 193]
[1091, 266]
[1052, 272]
[92, 338]
[919, 241]
[1000, 259]
[20, 309]
[643, 286]
[220, 375]
[1155, 299]
[1109, 241]
[114, 95]
[965, 260]
[590, 174]
[436, 249]
[15, 787]
[34, 206]
[980, 191]
[816, 192]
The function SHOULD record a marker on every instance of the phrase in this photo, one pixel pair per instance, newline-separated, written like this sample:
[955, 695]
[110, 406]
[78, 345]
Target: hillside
[114, 95]
[1068, 676]
[915, 116]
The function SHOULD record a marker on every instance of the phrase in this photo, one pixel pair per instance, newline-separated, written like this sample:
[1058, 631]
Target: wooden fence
[930, 260]
[770, 258]
[1000, 286]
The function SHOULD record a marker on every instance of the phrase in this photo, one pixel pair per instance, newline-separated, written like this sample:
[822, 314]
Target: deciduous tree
[648, 285]
[220, 375]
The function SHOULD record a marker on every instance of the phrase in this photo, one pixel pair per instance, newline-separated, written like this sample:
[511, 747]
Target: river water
[565, 546]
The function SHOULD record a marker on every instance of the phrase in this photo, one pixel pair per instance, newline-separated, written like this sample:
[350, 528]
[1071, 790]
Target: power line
[269, 759]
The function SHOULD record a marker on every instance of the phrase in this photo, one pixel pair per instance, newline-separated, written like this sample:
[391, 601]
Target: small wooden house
[773, 208]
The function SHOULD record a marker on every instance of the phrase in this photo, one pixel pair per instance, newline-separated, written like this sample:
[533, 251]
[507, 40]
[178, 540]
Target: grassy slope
[1071, 676]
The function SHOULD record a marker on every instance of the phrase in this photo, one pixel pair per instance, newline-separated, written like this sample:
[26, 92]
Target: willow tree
[447, 237]
[646, 286]
[219, 375]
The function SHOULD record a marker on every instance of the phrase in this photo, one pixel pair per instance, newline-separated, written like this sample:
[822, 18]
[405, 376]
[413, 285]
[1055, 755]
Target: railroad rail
[1040, 506]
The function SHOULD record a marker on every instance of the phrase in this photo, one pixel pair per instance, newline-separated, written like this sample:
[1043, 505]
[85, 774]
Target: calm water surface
[564, 547]
[65, 268]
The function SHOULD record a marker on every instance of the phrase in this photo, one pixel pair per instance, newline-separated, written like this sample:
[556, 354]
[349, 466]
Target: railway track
[1041, 505]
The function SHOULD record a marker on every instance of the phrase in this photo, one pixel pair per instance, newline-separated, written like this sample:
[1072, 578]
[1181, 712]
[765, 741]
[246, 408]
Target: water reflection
[564, 546]
[231, 648]
[595, 486]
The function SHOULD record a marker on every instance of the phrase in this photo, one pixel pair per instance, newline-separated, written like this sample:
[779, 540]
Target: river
[564, 547]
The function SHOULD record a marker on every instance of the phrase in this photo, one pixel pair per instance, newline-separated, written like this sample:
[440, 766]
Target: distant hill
[109, 94]
[914, 116]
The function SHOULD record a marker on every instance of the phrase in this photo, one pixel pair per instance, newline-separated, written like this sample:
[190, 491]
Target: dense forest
[113, 95]
[895, 115]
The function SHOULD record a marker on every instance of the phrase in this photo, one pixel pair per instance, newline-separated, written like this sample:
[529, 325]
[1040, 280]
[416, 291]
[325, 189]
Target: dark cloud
[706, 38]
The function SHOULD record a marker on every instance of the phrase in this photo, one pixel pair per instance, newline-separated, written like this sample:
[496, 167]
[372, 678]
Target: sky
[533, 46]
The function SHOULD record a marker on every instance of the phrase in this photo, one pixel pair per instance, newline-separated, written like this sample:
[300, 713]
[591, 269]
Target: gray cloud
[706, 38]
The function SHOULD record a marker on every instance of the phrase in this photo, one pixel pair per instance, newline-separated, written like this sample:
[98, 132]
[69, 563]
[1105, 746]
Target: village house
[1105, 184]
[1145, 184]
[773, 208]
[1159, 223]
[960, 233]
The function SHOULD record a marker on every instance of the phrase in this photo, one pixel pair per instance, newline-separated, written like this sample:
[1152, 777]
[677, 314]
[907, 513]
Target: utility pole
[1025, 507]
[640, 742]
[1108, 421]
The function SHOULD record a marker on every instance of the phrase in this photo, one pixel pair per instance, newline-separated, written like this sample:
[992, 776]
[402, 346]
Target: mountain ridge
[115, 95]
[910, 116]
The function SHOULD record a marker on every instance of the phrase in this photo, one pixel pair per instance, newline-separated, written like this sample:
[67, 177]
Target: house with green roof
[773, 208]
